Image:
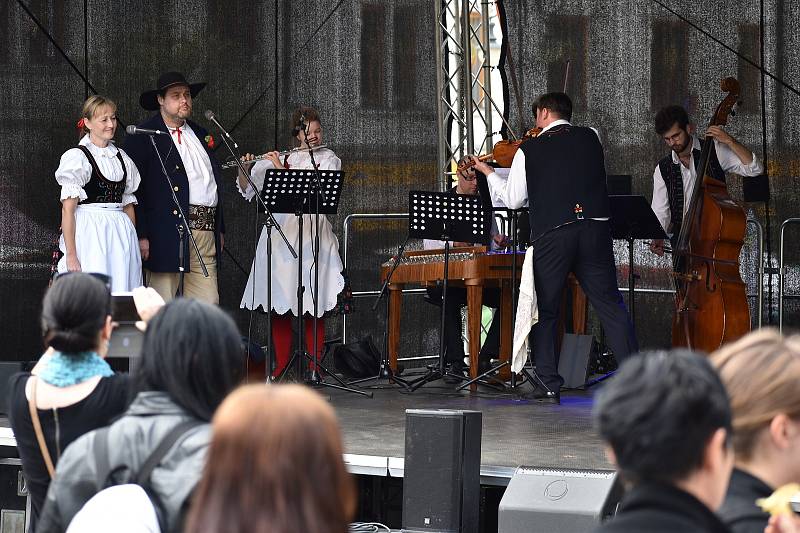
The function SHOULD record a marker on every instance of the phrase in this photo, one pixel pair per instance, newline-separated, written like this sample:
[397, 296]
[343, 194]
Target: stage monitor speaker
[442, 478]
[557, 501]
[573, 363]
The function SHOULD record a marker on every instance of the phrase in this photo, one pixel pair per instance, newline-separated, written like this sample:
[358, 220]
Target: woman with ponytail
[72, 390]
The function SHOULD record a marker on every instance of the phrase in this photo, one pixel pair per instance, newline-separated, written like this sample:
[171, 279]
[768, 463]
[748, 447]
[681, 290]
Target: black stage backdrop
[369, 67]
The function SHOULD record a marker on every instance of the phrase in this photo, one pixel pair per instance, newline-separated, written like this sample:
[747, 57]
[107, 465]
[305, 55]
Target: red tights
[282, 338]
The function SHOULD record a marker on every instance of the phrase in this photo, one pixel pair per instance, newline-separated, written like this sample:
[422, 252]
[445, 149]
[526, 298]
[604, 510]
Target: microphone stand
[183, 225]
[314, 378]
[269, 224]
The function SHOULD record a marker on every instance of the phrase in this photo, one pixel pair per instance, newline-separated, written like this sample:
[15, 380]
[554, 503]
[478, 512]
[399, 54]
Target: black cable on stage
[87, 84]
[302, 48]
[768, 225]
[501, 65]
[728, 48]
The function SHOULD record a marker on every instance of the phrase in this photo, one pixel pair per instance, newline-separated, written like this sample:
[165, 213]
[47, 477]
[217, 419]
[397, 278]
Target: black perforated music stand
[446, 217]
[295, 191]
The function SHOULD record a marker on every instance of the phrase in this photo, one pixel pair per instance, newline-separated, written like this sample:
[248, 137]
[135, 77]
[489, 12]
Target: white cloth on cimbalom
[527, 314]
[202, 187]
[284, 266]
[728, 160]
[105, 237]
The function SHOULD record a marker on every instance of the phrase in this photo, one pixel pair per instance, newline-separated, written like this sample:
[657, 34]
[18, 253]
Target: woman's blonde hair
[761, 372]
[91, 107]
[274, 465]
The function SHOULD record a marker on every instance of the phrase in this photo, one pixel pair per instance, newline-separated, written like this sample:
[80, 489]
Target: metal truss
[464, 98]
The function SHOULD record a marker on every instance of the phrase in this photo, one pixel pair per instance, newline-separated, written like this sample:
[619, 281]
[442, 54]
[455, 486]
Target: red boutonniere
[210, 142]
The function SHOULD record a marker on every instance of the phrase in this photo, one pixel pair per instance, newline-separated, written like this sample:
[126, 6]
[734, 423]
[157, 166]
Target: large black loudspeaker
[557, 501]
[442, 473]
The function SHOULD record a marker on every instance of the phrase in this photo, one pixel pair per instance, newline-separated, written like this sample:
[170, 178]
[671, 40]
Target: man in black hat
[196, 180]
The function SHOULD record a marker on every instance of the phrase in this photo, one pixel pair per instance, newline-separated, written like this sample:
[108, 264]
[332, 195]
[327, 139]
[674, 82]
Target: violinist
[675, 174]
[561, 174]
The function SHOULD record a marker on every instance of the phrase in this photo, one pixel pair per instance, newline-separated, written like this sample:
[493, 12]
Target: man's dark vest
[102, 190]
[671, 173]
[566, 178]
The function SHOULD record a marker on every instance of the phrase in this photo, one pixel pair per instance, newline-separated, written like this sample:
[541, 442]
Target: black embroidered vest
[671, 173]
[565, 171]
[99, 189]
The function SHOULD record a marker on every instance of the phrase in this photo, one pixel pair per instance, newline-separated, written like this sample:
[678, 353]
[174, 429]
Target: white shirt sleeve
[511, 192]
[132, 184]
[73, 172]
[730, 162]
[660, 203]
[257, 175]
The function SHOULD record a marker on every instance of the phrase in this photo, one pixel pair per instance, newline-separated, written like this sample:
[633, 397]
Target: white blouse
[74, 171]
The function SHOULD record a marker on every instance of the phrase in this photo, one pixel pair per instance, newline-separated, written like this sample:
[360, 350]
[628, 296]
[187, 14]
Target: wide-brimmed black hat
[149, 99]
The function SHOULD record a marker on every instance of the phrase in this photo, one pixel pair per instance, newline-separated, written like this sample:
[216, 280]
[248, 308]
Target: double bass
[711, 306]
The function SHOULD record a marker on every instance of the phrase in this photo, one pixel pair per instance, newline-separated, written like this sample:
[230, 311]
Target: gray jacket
[131, 439]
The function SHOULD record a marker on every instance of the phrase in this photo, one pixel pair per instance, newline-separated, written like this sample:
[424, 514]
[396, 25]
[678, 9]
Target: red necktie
[178, 131]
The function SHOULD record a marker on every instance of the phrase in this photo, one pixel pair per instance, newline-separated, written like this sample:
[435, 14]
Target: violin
[503, 151]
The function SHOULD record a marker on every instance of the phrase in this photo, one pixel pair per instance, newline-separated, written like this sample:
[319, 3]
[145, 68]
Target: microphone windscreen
[209, 114]
[130, 130]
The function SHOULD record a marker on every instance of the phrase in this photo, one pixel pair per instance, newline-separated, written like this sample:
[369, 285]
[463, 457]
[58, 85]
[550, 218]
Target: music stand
[295, 191]
[446, 217]
[633, 219]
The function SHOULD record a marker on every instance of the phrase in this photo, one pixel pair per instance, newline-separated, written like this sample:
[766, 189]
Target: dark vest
[99, 189]
[671, 173]
[566, 177]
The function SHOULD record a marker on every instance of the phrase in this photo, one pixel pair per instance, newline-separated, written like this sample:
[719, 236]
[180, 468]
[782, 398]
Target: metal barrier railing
[346, 238]
[781, 267]
[402, 216]
[760, 292]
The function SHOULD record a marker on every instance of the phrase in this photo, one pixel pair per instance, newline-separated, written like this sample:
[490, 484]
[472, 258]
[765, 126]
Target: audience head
[666, 418]
[76, 314]
[762, 374]
[274, 465]
[192, 351]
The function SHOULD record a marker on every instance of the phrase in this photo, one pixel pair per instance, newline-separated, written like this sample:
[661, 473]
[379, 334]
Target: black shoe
[457, 370]
[543, 396]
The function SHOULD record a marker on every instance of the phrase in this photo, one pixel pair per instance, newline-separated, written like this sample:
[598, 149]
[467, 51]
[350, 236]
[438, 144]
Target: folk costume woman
[284, 266]
[98, 181]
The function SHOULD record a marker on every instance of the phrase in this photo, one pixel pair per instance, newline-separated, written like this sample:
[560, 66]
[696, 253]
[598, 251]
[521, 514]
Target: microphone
[213, 118]
[134, 130]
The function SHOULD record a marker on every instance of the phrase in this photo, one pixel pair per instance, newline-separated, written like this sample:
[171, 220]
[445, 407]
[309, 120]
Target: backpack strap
[166, 444]
[37, 428]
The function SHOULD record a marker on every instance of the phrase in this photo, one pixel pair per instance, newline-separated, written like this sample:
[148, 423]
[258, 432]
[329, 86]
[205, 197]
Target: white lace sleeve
[132, 184]
[73, 172]
[257, 175]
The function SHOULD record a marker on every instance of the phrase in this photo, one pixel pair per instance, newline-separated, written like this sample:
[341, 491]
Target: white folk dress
[284, 266]
[105, 237]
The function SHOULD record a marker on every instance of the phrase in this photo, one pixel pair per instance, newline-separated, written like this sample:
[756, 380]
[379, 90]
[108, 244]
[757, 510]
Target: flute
[232, 164]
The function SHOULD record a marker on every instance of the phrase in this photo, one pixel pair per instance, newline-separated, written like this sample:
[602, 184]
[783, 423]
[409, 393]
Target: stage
[515, 432]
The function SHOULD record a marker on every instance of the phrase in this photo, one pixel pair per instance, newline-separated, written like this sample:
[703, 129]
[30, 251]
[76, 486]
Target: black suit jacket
[156, 214]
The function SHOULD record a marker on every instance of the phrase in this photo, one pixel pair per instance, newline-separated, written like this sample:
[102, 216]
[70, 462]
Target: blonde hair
[761, 372]
[274, 465]
[91, 107]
